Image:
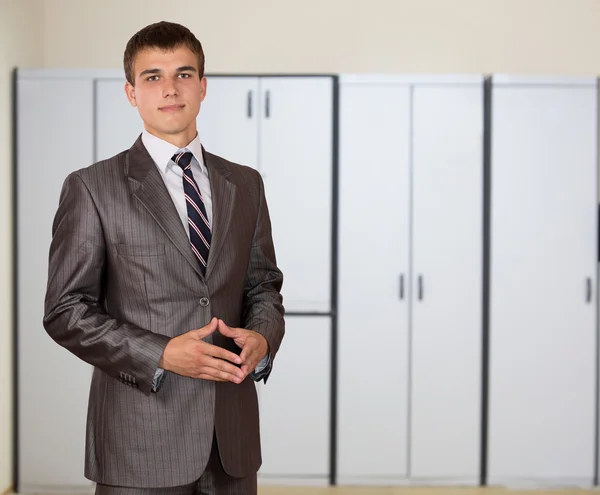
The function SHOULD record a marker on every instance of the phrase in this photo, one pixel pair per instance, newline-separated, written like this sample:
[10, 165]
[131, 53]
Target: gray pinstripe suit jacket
[123, 280]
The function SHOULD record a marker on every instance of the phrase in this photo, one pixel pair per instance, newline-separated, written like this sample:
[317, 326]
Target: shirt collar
[161, 151]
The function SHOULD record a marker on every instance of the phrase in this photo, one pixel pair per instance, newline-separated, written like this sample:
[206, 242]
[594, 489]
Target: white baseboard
[407, 482]
[57, 490]
[541, 483]
[266, 480]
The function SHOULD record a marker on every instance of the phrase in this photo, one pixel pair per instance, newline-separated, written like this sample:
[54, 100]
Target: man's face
[168, 92]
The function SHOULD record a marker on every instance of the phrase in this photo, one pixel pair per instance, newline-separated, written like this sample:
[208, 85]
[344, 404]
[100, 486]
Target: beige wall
[526, 36]
[21, 33]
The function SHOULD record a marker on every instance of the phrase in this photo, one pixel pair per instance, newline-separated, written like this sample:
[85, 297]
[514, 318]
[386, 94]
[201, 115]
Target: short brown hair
[163, 35]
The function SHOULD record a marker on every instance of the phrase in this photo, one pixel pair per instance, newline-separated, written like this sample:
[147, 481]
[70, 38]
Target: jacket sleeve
[73, 315]
[264, 312]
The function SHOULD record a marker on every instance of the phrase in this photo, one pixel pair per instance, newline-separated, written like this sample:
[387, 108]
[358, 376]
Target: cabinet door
[118, 124]
[55, 137]
[447, 282]
[543, 273]
[296, 161]
[294, 404]
[228, 119]
[374, 284]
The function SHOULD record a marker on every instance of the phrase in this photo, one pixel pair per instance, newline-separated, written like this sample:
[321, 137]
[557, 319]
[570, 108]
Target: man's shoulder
[102, 169]
[240, 174]
[231, 166]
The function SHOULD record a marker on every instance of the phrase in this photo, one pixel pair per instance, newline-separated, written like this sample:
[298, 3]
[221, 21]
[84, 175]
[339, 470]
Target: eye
[152, 78]
[184, 75]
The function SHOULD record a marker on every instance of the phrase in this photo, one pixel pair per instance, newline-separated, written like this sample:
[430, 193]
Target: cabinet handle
[402, 287]
[268, 104]
[420, 283]
[588, 296]
[250, 104]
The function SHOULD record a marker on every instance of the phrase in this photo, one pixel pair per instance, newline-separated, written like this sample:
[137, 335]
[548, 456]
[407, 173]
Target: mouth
[171, 108]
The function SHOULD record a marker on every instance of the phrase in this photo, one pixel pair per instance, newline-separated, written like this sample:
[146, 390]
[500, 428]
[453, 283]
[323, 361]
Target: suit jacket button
[204, 301]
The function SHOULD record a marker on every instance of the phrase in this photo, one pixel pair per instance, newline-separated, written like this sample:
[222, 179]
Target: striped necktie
[199, 227]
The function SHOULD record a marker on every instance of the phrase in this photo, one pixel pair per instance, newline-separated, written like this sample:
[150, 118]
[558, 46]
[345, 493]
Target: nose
[170, 88]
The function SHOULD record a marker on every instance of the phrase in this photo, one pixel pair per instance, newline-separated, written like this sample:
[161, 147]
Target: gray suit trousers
[214, 481]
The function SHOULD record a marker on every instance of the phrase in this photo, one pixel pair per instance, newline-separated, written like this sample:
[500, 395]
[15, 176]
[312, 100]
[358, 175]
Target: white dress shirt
[162, 153]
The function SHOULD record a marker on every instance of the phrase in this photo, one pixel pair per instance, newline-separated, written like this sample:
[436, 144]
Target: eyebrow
[185, 68]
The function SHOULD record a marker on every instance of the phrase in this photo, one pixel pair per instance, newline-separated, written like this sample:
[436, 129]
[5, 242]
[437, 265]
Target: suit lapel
[149, 188]
[223, 200]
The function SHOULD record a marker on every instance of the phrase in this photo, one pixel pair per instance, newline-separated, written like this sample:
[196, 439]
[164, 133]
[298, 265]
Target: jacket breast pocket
[136, 250]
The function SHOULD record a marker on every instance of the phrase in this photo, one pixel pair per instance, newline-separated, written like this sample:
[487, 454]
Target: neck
[181, 140]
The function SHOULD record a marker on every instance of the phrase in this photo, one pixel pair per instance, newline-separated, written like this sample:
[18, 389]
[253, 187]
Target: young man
[163, 276]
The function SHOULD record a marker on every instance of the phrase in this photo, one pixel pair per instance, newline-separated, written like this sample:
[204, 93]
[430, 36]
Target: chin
[179, 130]
[170, 130]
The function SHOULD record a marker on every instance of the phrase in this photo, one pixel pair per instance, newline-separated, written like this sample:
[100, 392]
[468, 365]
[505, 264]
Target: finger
[206, 330]
[228, 331]
[220, 353]
[249, 351]
[222, 366]
[225, 374]
[205, 376]
[245, 354]
[214, 374]
[221, 376]
[249, 366]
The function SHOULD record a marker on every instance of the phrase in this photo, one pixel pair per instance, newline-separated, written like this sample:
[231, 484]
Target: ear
[203, 85]
[130, 93]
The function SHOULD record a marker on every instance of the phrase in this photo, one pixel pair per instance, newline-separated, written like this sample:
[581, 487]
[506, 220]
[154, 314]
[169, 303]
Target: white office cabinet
[296, 141]
[374, 281]
[54, 137]
[543, 332]
[411, 223]
[118, 124]
[228, 119]
[447, 250]
[295, 404]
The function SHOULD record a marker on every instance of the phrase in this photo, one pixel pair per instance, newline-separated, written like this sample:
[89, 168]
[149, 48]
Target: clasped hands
[189, 355]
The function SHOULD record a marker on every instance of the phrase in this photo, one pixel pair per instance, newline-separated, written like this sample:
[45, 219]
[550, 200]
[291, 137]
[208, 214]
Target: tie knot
[183, 159]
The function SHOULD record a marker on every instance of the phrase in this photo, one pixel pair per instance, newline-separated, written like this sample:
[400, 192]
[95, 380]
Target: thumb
[207, 329]
[227, 331]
